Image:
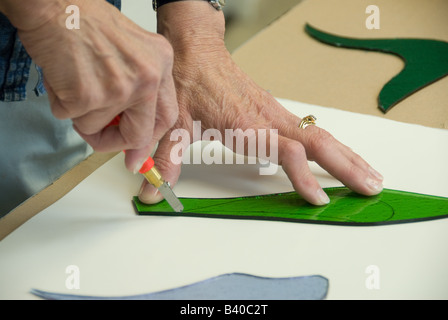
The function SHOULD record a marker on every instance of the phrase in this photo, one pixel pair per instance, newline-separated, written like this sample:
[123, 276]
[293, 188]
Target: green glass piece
[426, 61]
[345, 208]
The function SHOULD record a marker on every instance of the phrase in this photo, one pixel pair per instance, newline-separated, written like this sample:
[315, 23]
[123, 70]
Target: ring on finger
[307, 121]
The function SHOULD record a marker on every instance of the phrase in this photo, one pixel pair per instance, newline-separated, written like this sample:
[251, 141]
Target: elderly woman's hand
[108, 66]
[211, 88]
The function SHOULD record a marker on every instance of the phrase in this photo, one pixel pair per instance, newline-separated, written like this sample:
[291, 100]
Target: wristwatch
[217, 4]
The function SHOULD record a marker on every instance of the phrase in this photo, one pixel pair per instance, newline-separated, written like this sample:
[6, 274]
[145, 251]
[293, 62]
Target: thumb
[168, 161]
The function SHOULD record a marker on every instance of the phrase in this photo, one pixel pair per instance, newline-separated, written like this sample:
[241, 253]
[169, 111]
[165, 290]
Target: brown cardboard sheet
[290, 64]
[52, 193]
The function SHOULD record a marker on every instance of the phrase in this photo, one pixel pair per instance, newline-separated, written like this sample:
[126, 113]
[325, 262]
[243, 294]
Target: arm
[211, 88]
[109, 66]
[29, 14]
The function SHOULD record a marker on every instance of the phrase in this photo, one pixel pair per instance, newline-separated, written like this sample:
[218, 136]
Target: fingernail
[374, 185]
[376, 174]
[323, 198]
[140, 192]
[149, 194]
[138, 166]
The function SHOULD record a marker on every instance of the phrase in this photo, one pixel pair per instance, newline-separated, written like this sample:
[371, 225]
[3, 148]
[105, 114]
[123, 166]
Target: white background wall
[141, 12]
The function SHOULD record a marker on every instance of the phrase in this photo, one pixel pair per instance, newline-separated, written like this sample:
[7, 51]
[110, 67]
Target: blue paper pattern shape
[231, 286]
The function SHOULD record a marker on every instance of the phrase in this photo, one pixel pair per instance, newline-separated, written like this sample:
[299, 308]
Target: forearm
[191, 24]
[29, 14]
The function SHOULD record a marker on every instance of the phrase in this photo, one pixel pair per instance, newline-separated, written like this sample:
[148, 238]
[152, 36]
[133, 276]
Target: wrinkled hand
[109, 66]
[211, 88]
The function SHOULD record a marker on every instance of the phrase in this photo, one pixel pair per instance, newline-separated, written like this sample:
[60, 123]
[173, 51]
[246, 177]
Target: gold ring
[307, 121]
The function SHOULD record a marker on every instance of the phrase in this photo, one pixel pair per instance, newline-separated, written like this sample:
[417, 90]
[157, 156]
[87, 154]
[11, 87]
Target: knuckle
[306, 181]
[120, 92]
[291, 154]
[149, 77]
[152, 71]
[165, 48]
[319, 140]
[138, 140]
[352, 172]
[168, 118]
[163, 164]
[84, 92]
[89, 100]
[294, 148]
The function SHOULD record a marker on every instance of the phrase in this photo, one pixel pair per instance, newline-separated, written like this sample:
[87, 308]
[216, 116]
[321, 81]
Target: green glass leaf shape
[426, 61]
[345, 208]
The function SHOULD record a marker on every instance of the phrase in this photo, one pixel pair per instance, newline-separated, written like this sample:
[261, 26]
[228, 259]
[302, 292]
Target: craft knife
[150, 172]
[154, 177]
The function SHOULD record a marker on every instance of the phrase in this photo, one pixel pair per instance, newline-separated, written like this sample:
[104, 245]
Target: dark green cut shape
[345, 208]
[426, 61]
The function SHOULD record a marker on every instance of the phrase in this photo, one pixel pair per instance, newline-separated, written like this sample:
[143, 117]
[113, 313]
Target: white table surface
[95, 228]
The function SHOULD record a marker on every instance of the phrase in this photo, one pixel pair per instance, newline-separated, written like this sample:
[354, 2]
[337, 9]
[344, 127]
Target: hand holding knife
[150, 172]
